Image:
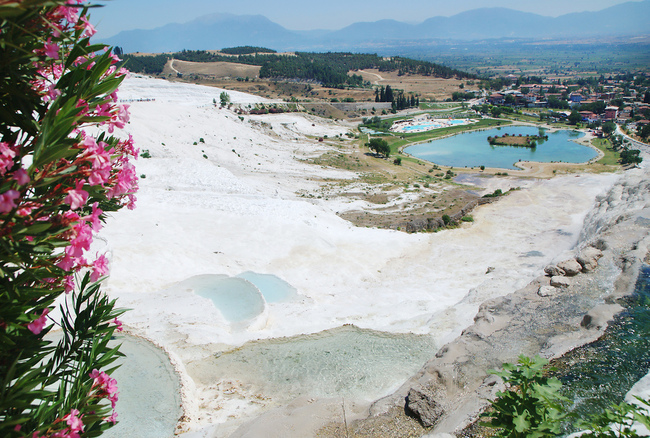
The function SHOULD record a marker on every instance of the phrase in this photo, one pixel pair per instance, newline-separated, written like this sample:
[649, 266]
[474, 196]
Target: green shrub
[532, 405]
[61, 173]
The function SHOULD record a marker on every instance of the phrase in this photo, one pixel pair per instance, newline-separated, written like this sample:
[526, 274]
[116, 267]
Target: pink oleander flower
[112, 418]
[89, 29]
[21, 177]
[118, 324]
[94, 218]
[38, 324]
[100, 268]
[77, 197]
[68, 13]
[51, 50]
[24, 211]
[70, 216]
[120, 118]
[131, 202]
[97, 154]
[68, 284]
[103, 110]
[129, 148]
[74, 421]
[66, 263]
[81, 241]
[127, 181]
[8, 200]
[106, 386]
[52, 93]
[7, 154]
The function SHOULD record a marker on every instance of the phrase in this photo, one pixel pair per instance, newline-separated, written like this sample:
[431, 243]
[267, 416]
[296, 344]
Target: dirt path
[379, 77]
[171, 65]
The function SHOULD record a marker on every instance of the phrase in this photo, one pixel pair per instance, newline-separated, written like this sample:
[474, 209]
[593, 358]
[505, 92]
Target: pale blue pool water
[273, 288]
[416, 127]
[149, 391]
[343, 362]
[473, 150]
[433, 125]
[237, 299]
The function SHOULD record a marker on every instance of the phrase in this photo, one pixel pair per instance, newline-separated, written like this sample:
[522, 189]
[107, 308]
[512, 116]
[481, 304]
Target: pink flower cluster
[96, 171]
[105, 387]
[74, 427]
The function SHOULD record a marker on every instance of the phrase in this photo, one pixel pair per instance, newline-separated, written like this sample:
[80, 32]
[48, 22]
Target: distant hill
[225, 30]
[206, 33]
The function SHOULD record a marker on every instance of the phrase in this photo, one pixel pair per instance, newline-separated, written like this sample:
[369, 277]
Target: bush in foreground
[57, 180]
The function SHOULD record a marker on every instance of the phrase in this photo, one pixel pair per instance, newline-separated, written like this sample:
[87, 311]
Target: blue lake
[473, 150]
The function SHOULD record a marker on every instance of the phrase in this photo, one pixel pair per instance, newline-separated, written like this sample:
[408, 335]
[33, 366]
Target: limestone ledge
[566, 307]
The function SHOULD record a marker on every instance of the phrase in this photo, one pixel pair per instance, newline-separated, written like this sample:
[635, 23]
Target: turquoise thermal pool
[473, 150]
[242, 298]
[273, 289]
[343, 362]
[149, 391]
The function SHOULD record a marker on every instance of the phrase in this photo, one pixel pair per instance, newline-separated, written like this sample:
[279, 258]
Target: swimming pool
[472, 149]
[428, 126]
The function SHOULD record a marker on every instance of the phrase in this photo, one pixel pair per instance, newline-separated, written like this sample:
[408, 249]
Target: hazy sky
[118, 15]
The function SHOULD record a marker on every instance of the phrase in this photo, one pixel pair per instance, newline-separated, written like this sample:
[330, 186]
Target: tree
[574, 118]
[644, 131]
[57, 180]
[224, 98]
[379, 146]
[609, 127]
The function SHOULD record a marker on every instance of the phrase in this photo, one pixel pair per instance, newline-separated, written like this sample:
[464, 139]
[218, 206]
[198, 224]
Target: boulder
[570, 267]
[588, 258]
[559, 281]
[416, 225]
[420, 401]
[598, 317]
[546, 291]
[434, 223]
[553, 271]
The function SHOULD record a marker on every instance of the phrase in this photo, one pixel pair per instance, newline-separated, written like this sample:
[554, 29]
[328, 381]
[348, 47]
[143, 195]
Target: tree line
[246, 50]
[329, 69]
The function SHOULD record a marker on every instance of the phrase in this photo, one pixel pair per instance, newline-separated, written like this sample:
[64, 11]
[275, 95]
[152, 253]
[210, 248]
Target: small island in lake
[527, 141]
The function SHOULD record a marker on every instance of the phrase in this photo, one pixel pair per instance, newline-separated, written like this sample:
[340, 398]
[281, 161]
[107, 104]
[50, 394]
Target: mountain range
[213, 32]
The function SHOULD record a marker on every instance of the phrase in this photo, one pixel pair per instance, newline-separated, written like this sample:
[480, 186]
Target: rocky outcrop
[588, 258]
[569, 306]
[553, 271]
[570, 267]
[421, 402]
[435, 223]
[560, 281]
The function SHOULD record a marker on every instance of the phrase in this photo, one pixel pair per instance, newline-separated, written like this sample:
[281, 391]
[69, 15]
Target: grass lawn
[611, 157]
